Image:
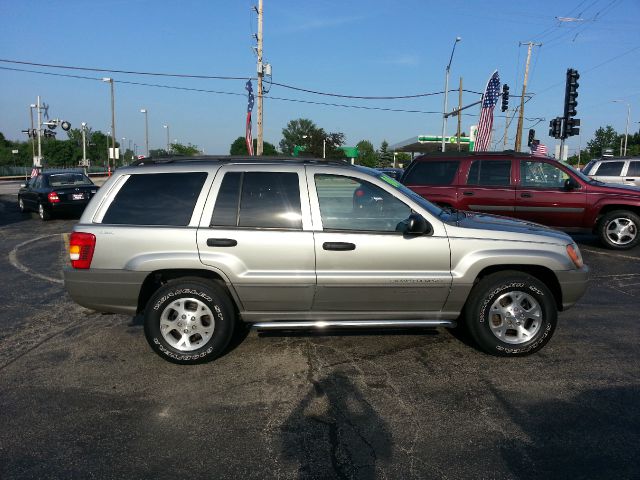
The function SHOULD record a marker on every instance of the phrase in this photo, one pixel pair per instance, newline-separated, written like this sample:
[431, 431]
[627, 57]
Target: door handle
[630, 179]
[338, 246]
[221, 242]
[468, 194]
[526, 195]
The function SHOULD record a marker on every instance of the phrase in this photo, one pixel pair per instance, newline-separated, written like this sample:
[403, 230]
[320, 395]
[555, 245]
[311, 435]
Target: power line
[218, 77]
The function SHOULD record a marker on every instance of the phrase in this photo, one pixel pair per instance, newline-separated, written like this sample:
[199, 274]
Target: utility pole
[524, 91]
[84, 147]
[260, 76]
[33, 137]
[459, 115]
[38, 162]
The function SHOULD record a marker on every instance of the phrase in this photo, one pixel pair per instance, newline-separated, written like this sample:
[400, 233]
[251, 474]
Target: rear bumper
[573, 284]
[110, 291]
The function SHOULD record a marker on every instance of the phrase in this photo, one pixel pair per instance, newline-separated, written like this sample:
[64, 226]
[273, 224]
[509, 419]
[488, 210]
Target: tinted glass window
[266, 199]
[541, 174]
[634, 169]
[490, 172]
[225, 213]
[68, 179]
[352, 204]
[610, 169]
[156, 199]
[432, 173]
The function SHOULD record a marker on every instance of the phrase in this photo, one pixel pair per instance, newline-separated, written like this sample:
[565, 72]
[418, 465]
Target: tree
[188, 150]
[385, 157]
[239, 147]
[603, 138]
[403, 159]
[297, 132]
[367, 154]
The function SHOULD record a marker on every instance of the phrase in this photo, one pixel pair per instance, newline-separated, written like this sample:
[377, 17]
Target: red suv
[537, 189]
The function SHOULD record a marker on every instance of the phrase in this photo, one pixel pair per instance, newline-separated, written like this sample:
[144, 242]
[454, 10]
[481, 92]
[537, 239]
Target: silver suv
[198, 245]
[615, 170]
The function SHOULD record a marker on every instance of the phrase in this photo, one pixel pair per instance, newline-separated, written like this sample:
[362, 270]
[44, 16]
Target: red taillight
[359, 193]
[53, 197]
[81, 247]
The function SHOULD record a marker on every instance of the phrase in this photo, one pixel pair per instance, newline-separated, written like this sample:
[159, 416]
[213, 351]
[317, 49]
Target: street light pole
[623, 153]
[146, 129]
[446, 92]
[113, 124]
[33, 137]
[84, 147]
[168, 144]
[38, 162]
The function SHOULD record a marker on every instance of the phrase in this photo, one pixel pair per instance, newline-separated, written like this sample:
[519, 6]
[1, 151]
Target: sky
[358, 48]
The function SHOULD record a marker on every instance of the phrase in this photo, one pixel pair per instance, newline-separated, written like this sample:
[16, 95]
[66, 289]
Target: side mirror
[571, 184]
[417, 225]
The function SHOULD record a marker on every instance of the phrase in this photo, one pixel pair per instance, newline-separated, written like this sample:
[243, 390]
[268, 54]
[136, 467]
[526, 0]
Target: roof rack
[473, 154]
[236, 159]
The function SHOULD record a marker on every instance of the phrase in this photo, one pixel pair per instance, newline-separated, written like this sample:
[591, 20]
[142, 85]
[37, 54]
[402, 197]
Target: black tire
[21, 206]
[198, 319]
[43, 213]
[618, 230]
[516, 304]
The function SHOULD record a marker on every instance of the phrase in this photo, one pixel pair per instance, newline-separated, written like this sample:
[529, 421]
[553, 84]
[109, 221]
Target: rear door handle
[468, 194]
[221, 242]
[339, 246]
[526, 195]
[630, 179]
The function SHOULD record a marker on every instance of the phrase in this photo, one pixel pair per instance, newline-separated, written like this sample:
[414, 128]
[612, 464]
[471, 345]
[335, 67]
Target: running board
[285, 325]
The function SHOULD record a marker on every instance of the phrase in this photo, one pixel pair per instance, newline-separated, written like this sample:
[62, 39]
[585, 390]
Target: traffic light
[555, 127]
[532, 136]
[571, 127]
[49, 134]
[571, 93]
[505, 97]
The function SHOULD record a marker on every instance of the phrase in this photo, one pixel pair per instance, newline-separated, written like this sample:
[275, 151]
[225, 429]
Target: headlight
[574, 254]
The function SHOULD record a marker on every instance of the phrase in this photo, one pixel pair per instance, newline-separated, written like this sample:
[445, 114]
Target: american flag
[34, 172]
[488, 103]
[248, 136]
[539, 149]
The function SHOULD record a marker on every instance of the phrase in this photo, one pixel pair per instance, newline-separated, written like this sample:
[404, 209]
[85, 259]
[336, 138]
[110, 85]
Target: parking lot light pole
[146, 128]
[168, 141]
[446, 92]
[113, 125]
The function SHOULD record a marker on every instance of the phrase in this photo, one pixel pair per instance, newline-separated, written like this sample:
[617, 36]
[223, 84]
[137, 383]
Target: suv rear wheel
[511, 314]
[619, 229]
[189, 320]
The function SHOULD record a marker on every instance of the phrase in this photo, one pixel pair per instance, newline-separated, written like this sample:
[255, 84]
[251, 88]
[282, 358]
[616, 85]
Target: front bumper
[574, 284]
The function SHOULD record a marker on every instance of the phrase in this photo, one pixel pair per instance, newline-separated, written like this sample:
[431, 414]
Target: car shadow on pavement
[348, 332]
[334, 432]
[593, 435]
[9, 212]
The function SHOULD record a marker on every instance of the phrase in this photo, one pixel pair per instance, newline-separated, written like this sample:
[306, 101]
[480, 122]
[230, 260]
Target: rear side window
[610, 169]
[490, 172]
[156, 199]
[634, 169]
[432, 173]
[259, 200]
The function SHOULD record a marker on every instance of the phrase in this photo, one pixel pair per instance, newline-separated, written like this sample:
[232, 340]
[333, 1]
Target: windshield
[580, 175]
[62, 179]
[424, 203]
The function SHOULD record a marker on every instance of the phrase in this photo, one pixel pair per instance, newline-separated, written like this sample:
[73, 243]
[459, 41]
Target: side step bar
[285, 325]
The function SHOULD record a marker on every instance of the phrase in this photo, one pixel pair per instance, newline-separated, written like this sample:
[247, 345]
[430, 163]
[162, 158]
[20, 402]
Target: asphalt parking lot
[83, 396]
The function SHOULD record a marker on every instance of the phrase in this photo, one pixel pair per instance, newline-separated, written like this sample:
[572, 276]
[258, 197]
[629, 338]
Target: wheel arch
[611, 207]
[544, 274]
[157, 278]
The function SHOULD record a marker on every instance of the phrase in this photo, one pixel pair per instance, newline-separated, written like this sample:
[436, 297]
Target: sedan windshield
[65, 179]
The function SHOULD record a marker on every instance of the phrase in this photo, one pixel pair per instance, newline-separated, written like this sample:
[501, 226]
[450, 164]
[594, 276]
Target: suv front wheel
[619, 229]
[189, 321]
[511, 314]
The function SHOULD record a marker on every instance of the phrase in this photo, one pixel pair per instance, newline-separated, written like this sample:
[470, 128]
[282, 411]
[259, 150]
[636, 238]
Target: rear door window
[433, 173]
[610, 169]
[258, 200]
[156, 199]
[634, 169]
[490, 173]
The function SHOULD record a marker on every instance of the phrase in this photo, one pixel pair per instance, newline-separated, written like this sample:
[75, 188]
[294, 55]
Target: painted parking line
[13, 260]
[609, 254]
